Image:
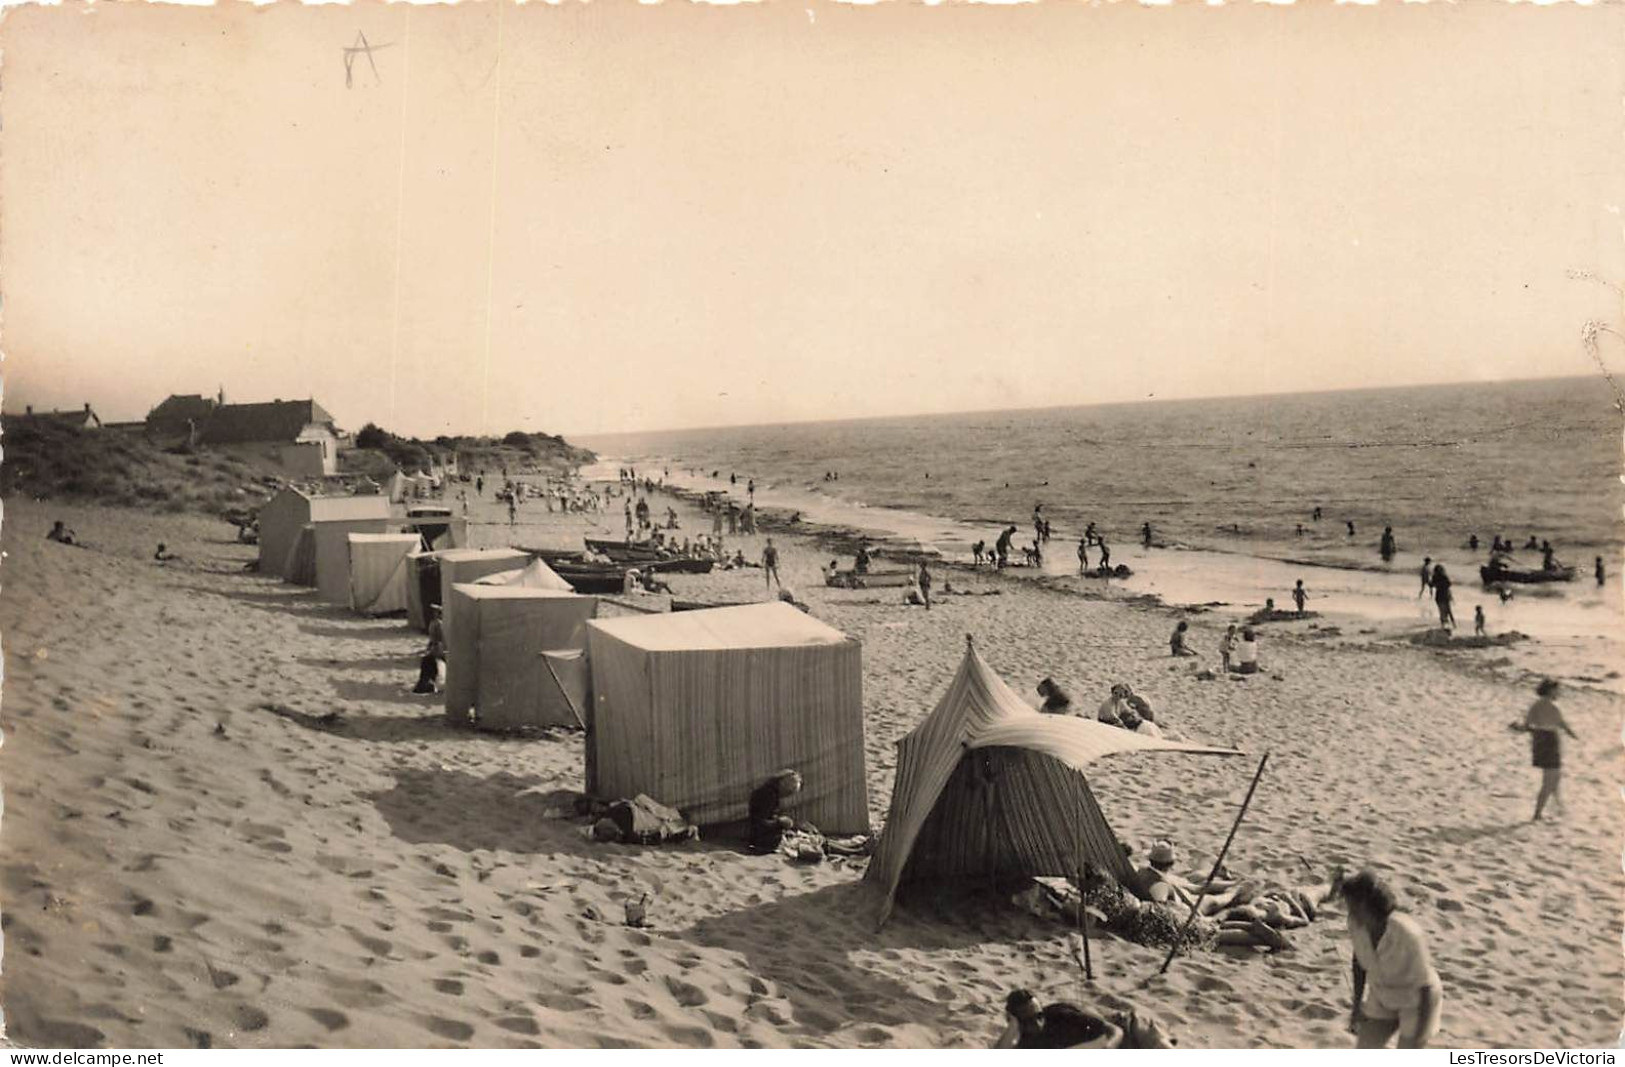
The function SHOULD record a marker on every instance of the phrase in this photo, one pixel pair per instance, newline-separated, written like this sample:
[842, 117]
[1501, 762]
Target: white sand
[394, 882]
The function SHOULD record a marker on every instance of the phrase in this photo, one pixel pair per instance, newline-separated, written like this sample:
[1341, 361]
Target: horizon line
[1063, 407]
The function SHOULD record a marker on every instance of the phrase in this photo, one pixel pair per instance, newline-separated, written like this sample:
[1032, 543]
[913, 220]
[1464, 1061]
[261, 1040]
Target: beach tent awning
[986, 785]
[699, 708]
[535, 575]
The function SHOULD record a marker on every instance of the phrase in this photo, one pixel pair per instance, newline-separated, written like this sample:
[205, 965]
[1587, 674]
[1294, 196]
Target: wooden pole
[1217, 863]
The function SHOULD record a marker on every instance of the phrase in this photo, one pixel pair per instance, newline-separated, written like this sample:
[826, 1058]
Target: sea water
[1229, 487]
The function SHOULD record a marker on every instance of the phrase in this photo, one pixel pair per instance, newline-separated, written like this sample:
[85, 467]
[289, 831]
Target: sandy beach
[197, 853]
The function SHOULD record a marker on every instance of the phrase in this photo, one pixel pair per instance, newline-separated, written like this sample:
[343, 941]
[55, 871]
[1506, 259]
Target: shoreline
[1572, 635]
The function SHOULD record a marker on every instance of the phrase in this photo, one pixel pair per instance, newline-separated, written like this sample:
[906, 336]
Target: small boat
[1496, 575]
[623, 551]
[593, 577]
[871, 579]
[680, 565]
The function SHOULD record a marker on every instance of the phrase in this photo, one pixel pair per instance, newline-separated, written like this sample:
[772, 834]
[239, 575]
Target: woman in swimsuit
[1542, 723]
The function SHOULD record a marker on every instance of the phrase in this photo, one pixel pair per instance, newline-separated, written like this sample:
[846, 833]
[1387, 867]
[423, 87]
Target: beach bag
[643, 821]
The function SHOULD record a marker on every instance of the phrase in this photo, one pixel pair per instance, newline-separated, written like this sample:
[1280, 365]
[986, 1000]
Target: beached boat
[1491, 574]
[681, 565]
[593, 577]
[623, 551]
[871, 579]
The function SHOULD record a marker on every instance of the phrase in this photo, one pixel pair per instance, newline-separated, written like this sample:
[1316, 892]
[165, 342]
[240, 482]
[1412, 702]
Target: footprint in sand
[330, 1020]
[450, 1029]
[518, 1024]
[686, 994]
[249, 1018]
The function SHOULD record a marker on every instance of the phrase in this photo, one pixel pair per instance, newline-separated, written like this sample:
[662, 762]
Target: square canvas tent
[987, 787]
[494, 656]
[330, 539]
[287, 529]
[463, 565]
[699, 708]
[378, 571]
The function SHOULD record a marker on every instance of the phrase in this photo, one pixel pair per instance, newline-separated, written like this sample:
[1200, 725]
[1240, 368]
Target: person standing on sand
[1351, 527]
[1300, 595]
[1145, 535]
[1227, 646]
[1317, 514]
[1442, 596]
[1427, 576]
[1105, 555]
[1083, 555]
[513, 508]
[923, 580]
[1002, 546]
[1541, 723]
[1396, 989]
[770, 565]
[1387, 547]
[1038, 523]
[1601, 574]
[1478, 621]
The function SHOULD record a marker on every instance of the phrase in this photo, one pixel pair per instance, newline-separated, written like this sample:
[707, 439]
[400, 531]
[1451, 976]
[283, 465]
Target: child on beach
[1176, 642]
[770, 565]
[1247, 652]
[1541, 723]
[1227, 645]
[1300, 595]
[1083, 554]
[61, 534]
[1056, 699]
[1478, 621]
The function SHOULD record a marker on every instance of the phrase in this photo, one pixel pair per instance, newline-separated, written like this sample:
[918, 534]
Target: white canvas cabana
[378, 571]
[699, 708]
[494, 656]
[331, 540]
[988, 787]
[291, 517]
[463, 565]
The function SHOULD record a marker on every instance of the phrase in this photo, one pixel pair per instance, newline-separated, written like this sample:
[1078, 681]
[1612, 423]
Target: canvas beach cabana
[495, 665]
[696, 709]
[987, 787]
[378, 571]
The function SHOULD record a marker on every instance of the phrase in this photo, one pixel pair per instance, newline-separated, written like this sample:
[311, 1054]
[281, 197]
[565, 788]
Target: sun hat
[1163, 854]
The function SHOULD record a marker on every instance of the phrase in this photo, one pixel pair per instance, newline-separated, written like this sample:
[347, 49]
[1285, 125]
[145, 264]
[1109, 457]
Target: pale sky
[711, 215]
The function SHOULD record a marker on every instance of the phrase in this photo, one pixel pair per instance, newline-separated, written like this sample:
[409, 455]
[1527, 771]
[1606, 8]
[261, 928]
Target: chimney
[28, 409]
[87, 407]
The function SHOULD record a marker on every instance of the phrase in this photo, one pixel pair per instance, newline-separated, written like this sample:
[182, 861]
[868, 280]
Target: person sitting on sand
[832, 573]
[1227, 647]
[163, 555]
[1127, 709]
[1532, 543]
[428, 674]
[1247, 652]
[1057, 1026]
[767, 822]
[1176, 642]
[1396, 989]
[61, 534]
[1056, 700]
[1542, 723]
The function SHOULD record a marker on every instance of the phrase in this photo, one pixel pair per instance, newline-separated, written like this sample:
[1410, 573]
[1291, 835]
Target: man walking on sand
[770, 565]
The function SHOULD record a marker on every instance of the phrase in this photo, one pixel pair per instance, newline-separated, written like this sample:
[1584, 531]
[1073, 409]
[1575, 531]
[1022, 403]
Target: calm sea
[1437, 463]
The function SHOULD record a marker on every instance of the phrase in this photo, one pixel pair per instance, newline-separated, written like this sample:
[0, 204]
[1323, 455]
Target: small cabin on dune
[79, 418]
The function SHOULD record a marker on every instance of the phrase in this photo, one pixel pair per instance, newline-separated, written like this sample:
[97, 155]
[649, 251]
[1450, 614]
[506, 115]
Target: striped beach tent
[988, 787]
[696, 709]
